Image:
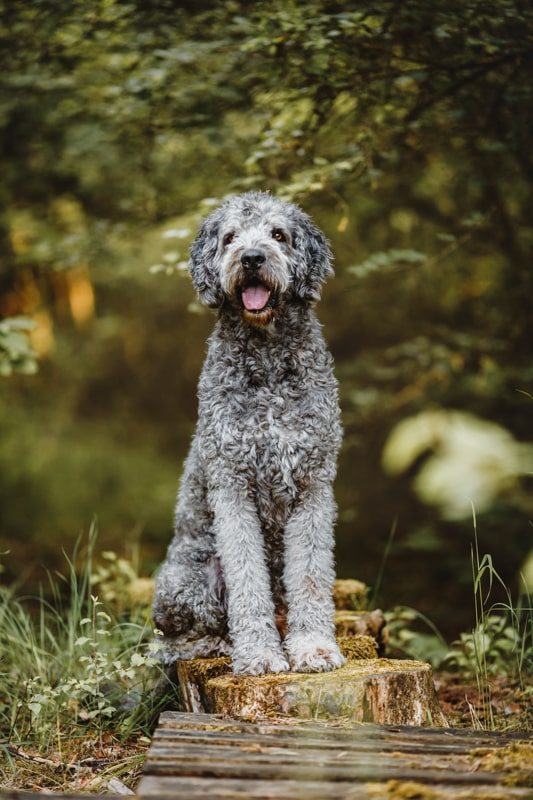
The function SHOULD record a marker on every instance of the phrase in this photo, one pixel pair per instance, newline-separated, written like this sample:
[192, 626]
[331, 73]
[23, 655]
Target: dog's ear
[313, 259]
[202, 267]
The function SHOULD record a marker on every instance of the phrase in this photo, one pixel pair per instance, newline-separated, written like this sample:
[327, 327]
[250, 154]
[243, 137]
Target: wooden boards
[202, 755]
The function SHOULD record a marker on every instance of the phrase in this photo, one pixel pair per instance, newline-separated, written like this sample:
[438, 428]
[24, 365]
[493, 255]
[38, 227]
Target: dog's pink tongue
[255, 297]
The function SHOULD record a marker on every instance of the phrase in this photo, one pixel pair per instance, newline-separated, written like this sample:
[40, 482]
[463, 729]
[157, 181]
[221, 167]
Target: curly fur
[255, 512]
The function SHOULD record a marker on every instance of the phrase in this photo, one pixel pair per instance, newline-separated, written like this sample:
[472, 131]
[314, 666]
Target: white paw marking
[260, 663]
[308, 653]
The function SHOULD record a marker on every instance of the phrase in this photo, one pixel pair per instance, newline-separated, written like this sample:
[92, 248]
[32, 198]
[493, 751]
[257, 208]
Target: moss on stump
[354, 647]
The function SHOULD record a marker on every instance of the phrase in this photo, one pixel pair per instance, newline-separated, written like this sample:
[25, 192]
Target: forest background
[404, 128]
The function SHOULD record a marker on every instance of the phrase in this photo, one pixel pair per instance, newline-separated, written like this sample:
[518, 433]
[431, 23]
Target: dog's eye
[278, 235]
[228, 238]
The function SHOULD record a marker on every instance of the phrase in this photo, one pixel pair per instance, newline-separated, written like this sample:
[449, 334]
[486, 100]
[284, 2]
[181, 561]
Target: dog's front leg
[256, 642]
[308, 578]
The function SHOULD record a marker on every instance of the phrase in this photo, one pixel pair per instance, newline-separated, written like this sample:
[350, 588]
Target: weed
[76, 667]
[501, 642]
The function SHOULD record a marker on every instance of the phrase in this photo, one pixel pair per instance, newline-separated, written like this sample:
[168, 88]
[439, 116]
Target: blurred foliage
[469, 464]
[16, 354]
[117, 581]
[411, 635]
[404, 128]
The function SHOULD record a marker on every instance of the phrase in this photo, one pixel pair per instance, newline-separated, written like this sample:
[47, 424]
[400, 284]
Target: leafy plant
[491, 648]
[75, 664]
[406, 638]
[501, 642]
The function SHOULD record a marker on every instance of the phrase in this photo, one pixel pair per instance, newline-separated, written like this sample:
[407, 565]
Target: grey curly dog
[250, 570]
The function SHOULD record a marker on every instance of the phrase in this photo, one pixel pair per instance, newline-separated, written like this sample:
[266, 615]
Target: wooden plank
[307, 754]
[334, 731]
[253, 765]
[357, 742]
[215, 789]
[203, 755]
[340, 764]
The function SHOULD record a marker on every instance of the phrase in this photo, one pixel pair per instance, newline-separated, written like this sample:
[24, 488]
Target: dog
[254, 519]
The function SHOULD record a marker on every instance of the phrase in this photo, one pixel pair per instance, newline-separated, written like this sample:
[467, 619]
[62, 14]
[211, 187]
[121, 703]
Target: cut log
[363, 623]
[350, 594]
[384, 691]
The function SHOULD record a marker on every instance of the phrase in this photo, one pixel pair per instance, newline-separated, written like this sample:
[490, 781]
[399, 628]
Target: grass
[488, 670]
[80, 685]
[501, 641]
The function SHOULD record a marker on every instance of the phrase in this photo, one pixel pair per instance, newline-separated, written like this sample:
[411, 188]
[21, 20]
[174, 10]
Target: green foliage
[404, 128]
[406, 638]
[324, 95]
[75, 665]
[501, 641]
[16, 354]
[492, 646]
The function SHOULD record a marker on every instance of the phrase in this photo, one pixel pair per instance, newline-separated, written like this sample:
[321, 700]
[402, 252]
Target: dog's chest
[270, 418]
[271, 424]
[273, 435]
[279, 447]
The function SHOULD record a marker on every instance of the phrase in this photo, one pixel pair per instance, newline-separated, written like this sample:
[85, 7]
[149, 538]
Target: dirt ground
[506, 705]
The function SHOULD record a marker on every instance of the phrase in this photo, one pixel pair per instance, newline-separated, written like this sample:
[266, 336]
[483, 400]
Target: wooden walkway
[207, 756]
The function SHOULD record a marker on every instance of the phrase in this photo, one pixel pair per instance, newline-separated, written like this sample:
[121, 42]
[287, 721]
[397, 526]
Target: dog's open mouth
[257, 296]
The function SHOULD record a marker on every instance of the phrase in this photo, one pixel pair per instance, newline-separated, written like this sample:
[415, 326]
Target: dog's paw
[309, 652]
[260, 662]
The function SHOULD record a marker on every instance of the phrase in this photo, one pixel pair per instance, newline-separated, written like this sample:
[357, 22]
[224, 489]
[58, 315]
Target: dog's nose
[252, 259]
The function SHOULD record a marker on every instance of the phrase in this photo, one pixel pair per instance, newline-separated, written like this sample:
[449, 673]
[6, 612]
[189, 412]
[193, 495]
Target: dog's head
[258, 254]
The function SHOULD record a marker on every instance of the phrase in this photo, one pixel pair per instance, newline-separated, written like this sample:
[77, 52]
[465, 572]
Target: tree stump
[365, 689]
[379, 690]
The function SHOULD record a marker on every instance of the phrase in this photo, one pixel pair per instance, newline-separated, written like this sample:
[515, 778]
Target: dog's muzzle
[255, 290]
